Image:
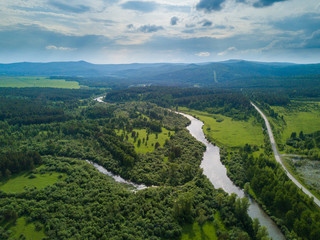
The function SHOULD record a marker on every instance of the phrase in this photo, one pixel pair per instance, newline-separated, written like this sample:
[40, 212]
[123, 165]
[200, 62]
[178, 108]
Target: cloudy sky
[122, 31]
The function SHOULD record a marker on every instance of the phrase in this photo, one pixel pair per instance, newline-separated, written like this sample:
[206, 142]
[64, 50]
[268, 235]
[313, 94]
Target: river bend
[216, 173]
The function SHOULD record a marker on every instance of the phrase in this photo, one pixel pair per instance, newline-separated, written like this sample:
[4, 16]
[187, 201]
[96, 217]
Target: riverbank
[223, 131]
[217, 174]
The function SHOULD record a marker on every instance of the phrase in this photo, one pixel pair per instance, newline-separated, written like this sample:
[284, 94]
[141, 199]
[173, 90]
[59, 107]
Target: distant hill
[205, 74]
[80, 68]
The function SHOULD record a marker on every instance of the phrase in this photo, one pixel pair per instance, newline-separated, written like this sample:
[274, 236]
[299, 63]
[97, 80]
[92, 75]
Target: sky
[184, 31]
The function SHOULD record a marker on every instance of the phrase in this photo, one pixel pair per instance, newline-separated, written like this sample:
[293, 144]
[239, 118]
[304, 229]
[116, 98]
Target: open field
[152, 139]
[27, 229]
[195, 232]
[21, 82]
[306, 119]
[17, 183]
[206, 232]
[224, 130]
[299, 116]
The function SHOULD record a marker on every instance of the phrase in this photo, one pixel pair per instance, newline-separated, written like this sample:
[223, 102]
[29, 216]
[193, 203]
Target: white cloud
[230, 49]
[108, 19]
[53, 47]
[203, 54]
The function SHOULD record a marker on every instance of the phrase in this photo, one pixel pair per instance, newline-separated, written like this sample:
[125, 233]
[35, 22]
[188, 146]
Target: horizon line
[131, 63]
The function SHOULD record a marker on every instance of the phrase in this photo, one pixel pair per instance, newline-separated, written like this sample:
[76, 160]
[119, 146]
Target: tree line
[232, 103]
[15, 162]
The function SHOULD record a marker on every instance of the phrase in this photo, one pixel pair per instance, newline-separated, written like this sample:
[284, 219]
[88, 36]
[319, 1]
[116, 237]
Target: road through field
[278, 158]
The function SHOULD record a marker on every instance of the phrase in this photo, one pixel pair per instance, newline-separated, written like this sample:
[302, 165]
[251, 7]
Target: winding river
[278, 158]
[117, 178]
[216, 173]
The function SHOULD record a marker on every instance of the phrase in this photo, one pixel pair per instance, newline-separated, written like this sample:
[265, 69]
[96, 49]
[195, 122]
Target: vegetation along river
[217, 174]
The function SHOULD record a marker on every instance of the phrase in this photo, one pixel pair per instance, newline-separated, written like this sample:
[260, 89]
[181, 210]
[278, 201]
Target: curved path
[278, 158]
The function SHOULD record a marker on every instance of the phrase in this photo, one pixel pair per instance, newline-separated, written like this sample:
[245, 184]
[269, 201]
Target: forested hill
[203, 74]
[81, 68]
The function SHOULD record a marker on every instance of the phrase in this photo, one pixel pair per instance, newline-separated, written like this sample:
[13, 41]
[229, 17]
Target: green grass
[16, 184]
[206, 232]
[228, 132]
[195, 232]
[306, 120]
[28, 230]
[151, 141]
[21, 82]
[299, 116]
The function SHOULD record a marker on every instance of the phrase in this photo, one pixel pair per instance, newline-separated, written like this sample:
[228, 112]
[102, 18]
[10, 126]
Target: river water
[116, 177]
[217, 174]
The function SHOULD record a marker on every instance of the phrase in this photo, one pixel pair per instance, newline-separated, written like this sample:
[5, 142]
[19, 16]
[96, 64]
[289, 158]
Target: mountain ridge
[185, 74]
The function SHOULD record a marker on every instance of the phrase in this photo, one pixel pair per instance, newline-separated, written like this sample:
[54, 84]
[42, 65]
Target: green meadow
[208, 231]
[223, 130]
[195, 231]
[21, 227]
[306, 119]
[22, 82]
[17, 184]
[147, 145]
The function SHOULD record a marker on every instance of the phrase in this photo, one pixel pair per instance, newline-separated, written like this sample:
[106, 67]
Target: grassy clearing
[207, 232]
[224, 130]
[21, 82]
[195, 232]
[147, 145]
[16, 184]
[304, 119]
[27, 229]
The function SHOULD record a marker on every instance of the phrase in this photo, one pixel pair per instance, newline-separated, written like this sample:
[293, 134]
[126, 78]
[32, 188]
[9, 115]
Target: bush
[32, 176]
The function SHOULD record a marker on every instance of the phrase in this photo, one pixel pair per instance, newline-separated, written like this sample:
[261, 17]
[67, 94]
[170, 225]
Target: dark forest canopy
[39, 105]
[53, 94]
[230, 102]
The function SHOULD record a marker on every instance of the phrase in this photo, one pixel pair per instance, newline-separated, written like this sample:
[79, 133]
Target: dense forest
[82, 203]
[15, 162]
[306, 144]
[289, 207]
[229, 102]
